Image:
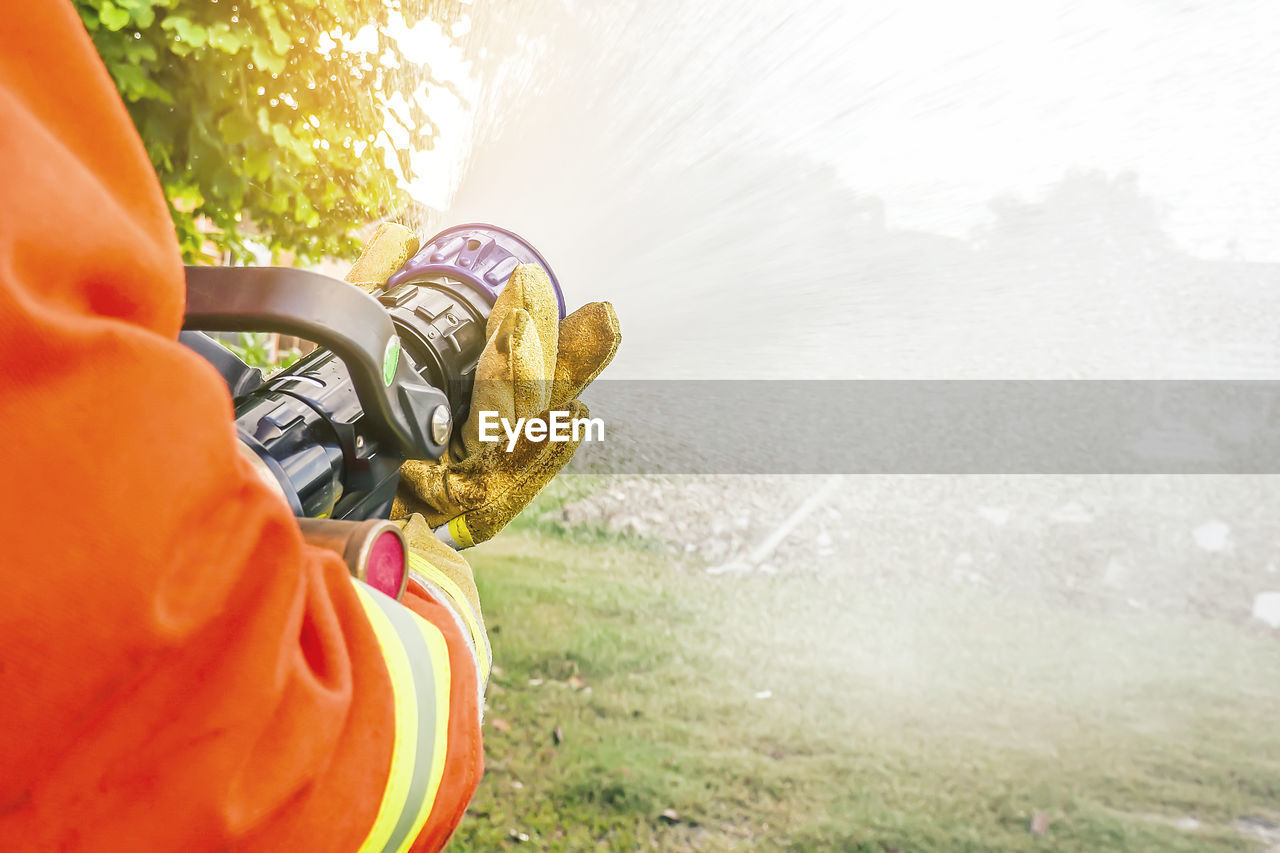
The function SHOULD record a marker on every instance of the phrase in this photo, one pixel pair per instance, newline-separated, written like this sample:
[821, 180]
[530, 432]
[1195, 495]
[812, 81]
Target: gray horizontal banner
[934, 427]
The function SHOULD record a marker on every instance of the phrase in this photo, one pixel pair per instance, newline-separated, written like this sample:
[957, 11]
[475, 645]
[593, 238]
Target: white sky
[964, 101]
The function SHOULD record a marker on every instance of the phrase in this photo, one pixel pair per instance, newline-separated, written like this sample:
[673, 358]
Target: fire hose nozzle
[391, 377]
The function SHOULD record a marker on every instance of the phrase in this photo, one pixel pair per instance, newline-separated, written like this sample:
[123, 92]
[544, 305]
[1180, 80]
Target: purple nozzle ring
[482, 256]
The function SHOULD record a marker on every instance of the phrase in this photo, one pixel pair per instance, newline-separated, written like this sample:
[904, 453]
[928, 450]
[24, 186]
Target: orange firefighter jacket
[178, 670]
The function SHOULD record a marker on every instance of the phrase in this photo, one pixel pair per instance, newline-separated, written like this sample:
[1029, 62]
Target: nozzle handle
[333, 315]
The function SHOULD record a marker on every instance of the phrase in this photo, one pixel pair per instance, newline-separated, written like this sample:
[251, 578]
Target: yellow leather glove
[531, 365]
[387, 250]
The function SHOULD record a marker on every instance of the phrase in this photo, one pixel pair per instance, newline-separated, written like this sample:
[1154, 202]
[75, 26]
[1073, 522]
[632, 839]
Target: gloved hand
[390, 247]
[531, 365]
[445, 576]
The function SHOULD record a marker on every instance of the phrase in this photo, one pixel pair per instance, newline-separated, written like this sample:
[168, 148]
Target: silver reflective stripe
[442, 533]
[424, 685]
[446, 601]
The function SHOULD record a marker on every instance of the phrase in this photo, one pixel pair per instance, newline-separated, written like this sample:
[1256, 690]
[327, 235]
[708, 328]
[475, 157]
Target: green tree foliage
[261, 116]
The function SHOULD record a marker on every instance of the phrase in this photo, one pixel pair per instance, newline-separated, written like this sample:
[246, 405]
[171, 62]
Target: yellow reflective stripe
[439, 651]
[405, 701]
[462, 606]
[458, 530]
[418, 662]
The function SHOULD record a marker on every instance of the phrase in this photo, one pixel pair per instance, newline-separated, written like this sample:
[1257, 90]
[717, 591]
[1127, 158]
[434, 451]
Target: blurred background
[1067, 189]
[918, 189]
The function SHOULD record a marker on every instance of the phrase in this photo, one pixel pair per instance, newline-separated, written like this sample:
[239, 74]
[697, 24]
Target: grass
[806, 714]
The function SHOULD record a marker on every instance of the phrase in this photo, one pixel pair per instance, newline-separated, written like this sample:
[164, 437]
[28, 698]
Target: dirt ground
[1202, 545]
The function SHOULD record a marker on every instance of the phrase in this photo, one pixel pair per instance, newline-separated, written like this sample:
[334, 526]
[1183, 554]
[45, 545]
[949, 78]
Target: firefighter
[178, 670]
